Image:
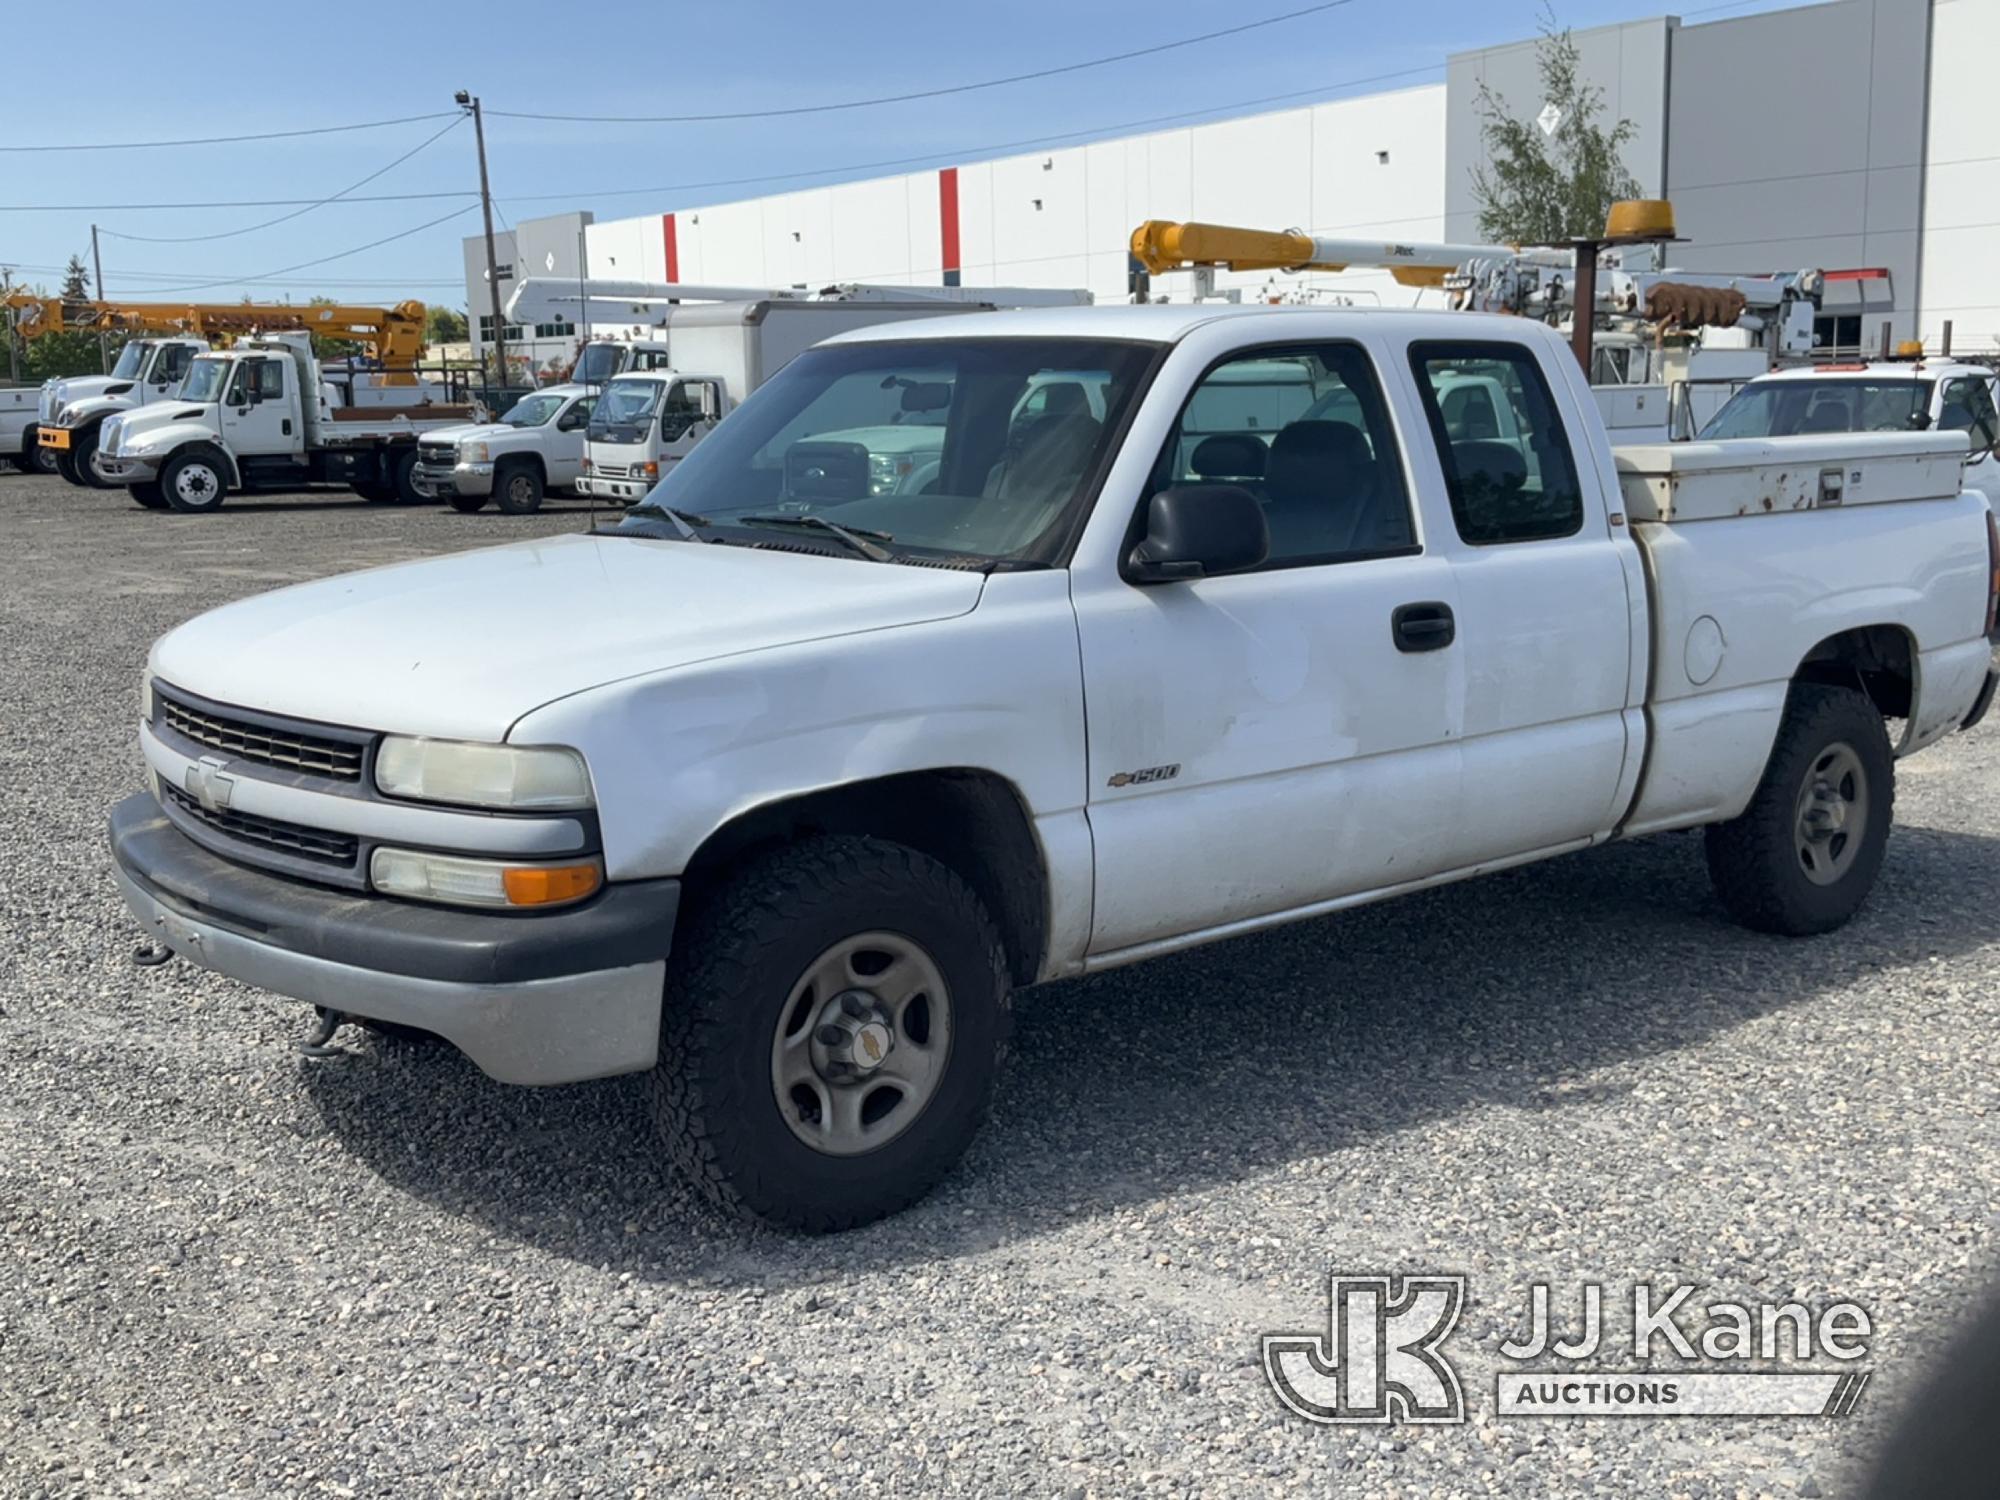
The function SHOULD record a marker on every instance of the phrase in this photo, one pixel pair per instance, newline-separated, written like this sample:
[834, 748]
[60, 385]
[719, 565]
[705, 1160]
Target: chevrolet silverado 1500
[814, 773]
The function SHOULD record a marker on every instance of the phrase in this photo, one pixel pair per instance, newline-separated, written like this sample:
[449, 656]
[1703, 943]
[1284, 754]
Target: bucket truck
[150, 368]
[1651, 331]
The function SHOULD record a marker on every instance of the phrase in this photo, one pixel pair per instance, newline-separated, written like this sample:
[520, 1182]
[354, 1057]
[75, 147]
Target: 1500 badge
[1142, 778]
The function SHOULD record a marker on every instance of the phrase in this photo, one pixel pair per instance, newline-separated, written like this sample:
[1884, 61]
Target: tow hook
[318, 1042]
[152, 955]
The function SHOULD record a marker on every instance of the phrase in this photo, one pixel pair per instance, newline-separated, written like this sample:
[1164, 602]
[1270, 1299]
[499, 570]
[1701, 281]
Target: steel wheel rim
[1831, 817]
[519, 490]
[45, 460]
[861, 1044]
[195, 483]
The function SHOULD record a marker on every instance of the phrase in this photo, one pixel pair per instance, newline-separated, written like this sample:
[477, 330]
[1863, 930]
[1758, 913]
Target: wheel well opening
[1878, 659]
[972, 821]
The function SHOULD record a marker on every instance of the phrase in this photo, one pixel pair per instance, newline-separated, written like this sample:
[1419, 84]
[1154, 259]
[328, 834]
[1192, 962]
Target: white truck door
[1966, 405]
[1545, 602]
[563, 451]
[256, 417]
[691, 409]
[1263, 741]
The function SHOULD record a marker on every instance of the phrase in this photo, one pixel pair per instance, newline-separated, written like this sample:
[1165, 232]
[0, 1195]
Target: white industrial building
[1847, 136]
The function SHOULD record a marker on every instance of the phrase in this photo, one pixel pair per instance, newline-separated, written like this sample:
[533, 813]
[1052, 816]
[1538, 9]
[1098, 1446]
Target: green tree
[444, 325]
[76, 281]
[1540, 187]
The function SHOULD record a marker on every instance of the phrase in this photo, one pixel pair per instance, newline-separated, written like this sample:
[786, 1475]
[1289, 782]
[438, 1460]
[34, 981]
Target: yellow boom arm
[396, 334]
[1161, 245]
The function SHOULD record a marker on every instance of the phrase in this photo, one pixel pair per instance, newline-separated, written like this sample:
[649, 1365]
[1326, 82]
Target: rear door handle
[1428, 626]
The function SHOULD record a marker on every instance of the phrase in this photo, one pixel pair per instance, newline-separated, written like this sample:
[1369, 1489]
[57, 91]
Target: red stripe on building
[673, 247]
[948, 222]
[1859, 273]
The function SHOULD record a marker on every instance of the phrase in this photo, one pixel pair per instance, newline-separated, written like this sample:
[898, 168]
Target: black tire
[83, 448]
[194, 481]
[1763, 863]
[375, 492]
[465, 505]
[147, 492]
[37, 459]
[730, 986]
[66, 467]
[403, 478]
[517, 487]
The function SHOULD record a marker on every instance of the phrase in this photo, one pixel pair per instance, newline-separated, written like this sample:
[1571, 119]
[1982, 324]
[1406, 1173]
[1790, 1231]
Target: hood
[96, 406]
[475, 432]
[168, 412]
[462, 646]
[74, 388]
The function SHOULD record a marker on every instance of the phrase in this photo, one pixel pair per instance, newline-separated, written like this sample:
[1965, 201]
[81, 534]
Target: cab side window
[174, 362]
[1500, 441]
[681, 409]
[270, 379]
[1968, 408]
[1306, 431]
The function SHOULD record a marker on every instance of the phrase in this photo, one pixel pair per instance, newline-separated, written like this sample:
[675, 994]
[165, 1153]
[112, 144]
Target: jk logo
[1378, 1360]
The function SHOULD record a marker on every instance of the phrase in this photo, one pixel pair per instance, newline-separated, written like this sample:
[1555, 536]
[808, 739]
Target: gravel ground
[234, 1271]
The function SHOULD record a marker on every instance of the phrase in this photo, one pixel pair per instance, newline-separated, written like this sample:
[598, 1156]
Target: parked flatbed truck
[812, 776]
[261, 415]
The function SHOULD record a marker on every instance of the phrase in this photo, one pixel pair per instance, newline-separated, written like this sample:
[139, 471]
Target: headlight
[476, 775]
[472, 453]
[108, 437]
[480, 882]
[61, 412]
[886, 472]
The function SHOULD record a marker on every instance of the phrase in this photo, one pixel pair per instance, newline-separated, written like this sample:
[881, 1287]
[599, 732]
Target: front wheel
[1804, 854]
[403, 478]
[66, 467]
[192, 482]
[147, 492]
[832, 1028]
[465, 505]
[519, 488]
[83, 456]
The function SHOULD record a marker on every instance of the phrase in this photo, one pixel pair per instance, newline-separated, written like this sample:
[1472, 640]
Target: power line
[190, 239]
[964, 153]
[224, 140]
[199, 286]
[129, 208]
[939, 93]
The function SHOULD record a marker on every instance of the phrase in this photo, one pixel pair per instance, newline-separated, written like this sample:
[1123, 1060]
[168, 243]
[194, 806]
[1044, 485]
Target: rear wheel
[193, 482]
[832, 1029]
[518, 487]
[1803, 856]
[147, 492]
[37, 459]
[403, 476]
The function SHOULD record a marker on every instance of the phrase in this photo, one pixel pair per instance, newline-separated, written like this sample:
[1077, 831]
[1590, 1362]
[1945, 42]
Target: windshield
[935, 445]
[598, 363]
[204, 381]
[130, 358]
[1784, 408]
[624, 409]
[532, 411]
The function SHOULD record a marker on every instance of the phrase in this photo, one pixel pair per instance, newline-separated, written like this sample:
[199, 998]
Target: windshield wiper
[856, 537]
[683, 521]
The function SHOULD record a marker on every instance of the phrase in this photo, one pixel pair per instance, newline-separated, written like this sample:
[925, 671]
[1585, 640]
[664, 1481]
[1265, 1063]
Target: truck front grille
[437, 455]
[316, 844]
[268, 744]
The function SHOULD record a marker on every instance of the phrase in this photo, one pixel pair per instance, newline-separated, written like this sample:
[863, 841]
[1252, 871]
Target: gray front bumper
[127, 470]
[481, 981]
[460, 479]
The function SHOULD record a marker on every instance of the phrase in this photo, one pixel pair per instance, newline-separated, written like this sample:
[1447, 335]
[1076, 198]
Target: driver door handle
[1426, 626]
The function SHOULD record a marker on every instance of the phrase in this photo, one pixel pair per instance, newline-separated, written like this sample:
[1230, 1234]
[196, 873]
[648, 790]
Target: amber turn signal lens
[545, 885]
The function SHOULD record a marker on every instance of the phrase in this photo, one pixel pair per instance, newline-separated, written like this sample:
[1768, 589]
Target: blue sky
[283, 68]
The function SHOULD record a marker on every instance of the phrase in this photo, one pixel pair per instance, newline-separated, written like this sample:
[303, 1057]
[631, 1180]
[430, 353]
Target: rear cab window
[1500, 440]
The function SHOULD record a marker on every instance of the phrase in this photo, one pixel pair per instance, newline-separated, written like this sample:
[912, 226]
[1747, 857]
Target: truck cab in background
[70, 420]
[602, 360]
[1890, 395]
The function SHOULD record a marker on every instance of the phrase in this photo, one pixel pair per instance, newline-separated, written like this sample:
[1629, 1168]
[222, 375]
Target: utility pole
[13, 338]
[471, 102]
[97, 261]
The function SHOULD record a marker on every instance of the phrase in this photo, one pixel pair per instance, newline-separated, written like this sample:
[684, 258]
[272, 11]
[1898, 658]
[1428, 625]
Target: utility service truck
[813, 776]
[263, 415]
[1667, 346]
[150, 369]
[1909, 393]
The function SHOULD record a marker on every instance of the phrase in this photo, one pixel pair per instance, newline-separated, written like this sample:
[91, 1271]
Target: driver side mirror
[1199, 531]
[711, 403]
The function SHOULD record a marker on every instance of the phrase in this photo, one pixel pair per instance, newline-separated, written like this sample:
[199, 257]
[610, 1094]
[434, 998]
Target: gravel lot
[233, 1271]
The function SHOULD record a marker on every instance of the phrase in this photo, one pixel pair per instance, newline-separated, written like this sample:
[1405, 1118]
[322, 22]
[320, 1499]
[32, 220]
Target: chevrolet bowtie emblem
[207, 785]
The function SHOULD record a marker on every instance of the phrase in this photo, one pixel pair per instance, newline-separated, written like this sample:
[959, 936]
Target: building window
[556, 330]
[516, 332]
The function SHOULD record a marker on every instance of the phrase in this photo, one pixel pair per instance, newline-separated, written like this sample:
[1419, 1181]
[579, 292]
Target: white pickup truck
[804, 785]
[535, 448]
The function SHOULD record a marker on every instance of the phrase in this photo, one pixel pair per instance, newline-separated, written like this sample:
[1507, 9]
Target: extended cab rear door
[1551, 607]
